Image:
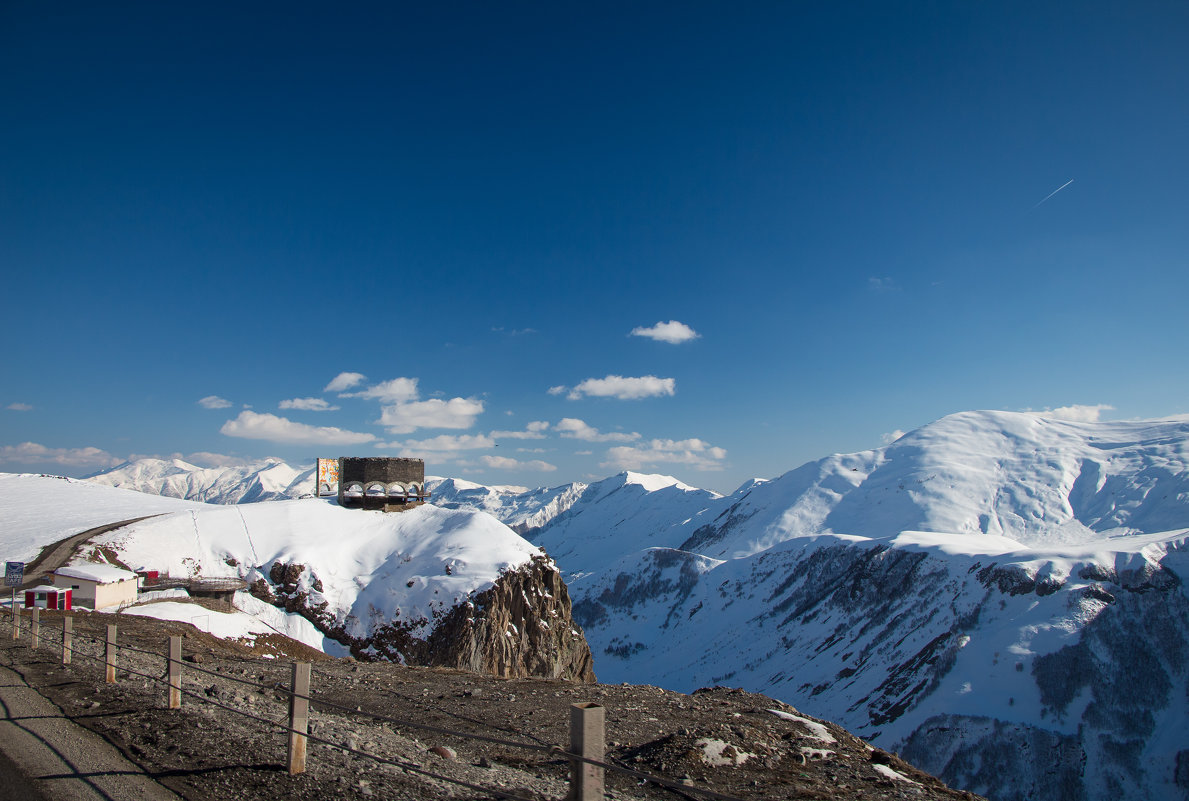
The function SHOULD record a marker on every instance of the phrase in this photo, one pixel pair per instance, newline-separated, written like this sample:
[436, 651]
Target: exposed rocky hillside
[520, 626]
[724, 741]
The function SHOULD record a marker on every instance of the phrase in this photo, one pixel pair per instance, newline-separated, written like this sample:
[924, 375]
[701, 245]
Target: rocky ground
[715, 741]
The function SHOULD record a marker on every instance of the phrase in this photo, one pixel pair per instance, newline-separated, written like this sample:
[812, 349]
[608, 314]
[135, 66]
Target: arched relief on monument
[390, 484]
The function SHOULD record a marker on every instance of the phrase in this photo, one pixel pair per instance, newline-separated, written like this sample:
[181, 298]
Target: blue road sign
[14, 573]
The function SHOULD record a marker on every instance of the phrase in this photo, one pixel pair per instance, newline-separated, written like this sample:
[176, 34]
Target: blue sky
[210, 215]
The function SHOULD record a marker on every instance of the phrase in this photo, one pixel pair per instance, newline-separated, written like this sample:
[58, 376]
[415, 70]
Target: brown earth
[203, 751]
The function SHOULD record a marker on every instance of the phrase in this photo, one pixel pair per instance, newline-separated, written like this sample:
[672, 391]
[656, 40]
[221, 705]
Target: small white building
[97, 585]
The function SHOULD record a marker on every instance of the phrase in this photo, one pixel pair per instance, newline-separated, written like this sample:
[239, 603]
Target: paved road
[14, 784]
[58, 758]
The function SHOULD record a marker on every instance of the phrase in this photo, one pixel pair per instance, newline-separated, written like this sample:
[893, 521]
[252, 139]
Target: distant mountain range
[999, 597]
[266, 480]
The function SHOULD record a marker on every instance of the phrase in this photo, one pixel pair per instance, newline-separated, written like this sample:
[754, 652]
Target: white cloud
[397, 390]
[534, 430]
[19, 407]
[506, 463]
[672, 332]
[1076, 413]
[691, 452]
[891, 436]
[559, 389]
[32, 453]
[445, 442]
[214, 402]
[252, 425]
[404, 418]
[573, 428]
[881, 285]
[584, 453]
[344, 381]
[624, 388]
[308, 405]
[402, 413]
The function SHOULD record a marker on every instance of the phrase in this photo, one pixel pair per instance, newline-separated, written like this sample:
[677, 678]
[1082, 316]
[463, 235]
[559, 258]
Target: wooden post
[111, 654]
[35, 627]
[67, 637]
[16, 618]
[586, 740]
[299, 717]
[175, 672]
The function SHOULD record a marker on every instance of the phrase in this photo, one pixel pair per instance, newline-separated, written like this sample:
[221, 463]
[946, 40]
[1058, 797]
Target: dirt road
[54, 556]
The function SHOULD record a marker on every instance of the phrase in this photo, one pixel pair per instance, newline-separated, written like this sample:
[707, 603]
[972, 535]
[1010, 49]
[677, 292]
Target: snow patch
[719, 753]
[895, 775]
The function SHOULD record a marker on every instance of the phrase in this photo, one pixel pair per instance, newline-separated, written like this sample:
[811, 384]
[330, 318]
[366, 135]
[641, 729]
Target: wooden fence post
[175, 672]
[35, 627]
[67, 637]
[299, 717]
[586, 740]
[111, 654]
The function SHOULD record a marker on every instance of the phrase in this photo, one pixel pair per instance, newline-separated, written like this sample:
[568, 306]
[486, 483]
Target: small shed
[48, 596]
[99, 585]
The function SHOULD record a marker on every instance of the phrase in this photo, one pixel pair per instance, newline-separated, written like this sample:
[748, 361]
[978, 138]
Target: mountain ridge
[1000, 596]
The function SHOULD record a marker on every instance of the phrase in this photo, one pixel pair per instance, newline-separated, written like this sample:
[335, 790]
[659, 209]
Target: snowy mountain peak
[652, 481]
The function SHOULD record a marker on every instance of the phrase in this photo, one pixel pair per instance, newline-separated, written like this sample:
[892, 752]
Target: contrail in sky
[1055, 191]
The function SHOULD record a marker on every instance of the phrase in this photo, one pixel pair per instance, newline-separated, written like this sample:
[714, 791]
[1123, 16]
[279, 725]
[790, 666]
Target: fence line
[587, 735]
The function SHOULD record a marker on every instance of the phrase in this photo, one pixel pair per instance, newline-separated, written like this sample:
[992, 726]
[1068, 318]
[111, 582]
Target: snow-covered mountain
[267, 480]
[381, 583]
[1034, 480]
[521, 509]
[1000, 597]
[997, 596]
[619, 515]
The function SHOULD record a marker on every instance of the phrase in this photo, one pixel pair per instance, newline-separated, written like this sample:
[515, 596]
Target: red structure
[49, 597]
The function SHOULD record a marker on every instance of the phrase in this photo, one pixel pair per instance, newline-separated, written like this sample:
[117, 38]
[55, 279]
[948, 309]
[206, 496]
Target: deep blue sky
[203, 201]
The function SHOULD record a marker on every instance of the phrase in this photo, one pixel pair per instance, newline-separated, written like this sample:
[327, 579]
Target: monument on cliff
[374, 482]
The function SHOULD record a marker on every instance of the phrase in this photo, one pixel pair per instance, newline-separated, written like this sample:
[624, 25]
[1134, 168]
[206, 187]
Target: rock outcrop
[521, 626]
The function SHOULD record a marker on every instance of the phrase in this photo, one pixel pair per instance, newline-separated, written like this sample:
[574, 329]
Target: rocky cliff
[521, 626]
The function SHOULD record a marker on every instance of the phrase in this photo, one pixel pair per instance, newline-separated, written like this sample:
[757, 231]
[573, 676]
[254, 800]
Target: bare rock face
[521, 627]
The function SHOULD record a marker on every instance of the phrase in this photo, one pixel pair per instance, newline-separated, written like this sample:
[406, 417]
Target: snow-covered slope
[619, 515]
[1034, 480]
[380, 582]
[266, 480]
[998, 596]
[368, 567]
[37, 510]
[521, 509]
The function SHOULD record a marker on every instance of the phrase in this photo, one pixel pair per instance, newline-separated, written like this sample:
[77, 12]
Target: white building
[97, 585]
